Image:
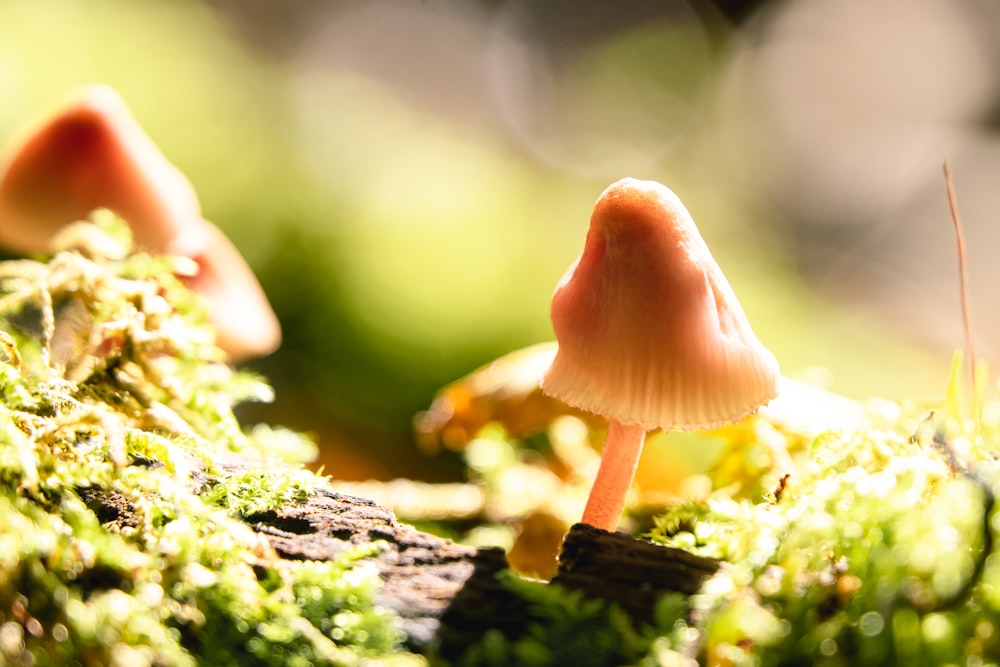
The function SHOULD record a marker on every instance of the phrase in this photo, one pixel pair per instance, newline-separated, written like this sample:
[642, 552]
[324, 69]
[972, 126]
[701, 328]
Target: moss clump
[120, 538]
[565, 628]
[879, 550]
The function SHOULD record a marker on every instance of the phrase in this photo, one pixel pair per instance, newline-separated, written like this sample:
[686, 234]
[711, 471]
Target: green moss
[565, 628]
[880, 550]
[257, 491]
[113, 402]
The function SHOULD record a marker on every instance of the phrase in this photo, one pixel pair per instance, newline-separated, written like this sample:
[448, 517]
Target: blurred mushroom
[93, 154]
[650, 335]
[505, 391]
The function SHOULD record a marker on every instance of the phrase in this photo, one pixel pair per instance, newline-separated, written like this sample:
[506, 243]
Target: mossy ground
[121, 539]
[113, 395]
[879, 550]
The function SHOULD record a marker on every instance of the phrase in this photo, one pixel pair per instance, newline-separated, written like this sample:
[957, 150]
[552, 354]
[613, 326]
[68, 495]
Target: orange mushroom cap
[649, 330]
[93, 154]
[247, 327]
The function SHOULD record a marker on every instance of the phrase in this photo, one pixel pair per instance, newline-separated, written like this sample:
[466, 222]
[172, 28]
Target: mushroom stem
[614, 476]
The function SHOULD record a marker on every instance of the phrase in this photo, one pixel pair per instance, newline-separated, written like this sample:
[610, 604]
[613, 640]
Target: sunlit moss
[565, 628]
[120, 538]
[256, 491]
[877, 551]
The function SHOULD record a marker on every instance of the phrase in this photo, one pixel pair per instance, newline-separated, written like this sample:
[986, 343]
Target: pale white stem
[614, 476]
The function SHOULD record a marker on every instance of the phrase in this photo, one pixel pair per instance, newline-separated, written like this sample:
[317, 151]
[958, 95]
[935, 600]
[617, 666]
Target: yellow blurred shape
[505, 391]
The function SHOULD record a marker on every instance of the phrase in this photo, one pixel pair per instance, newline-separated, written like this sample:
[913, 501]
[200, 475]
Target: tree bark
[629, 572]
[447, 594]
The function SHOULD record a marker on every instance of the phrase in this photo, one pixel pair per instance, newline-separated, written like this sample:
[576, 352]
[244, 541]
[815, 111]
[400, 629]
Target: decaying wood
[632, 573]
[446, 594]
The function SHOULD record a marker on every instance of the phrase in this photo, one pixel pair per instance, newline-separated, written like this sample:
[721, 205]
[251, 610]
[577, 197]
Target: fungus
[93, 154]
[650, 335]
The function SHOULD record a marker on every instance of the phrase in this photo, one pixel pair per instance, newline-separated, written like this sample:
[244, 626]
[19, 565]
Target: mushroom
[650, 335]
[93, 154]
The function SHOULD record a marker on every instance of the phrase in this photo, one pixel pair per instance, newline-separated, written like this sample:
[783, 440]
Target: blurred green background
[410, 180]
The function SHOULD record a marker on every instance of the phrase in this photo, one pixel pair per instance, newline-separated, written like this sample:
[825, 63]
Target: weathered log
[632, 573]
[448, 595]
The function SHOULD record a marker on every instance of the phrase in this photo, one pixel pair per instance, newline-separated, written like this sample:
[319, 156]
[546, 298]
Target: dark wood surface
[632, 573]
[448, 595]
